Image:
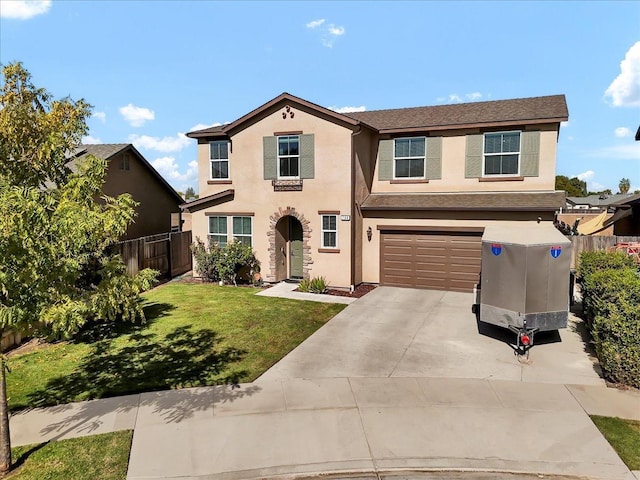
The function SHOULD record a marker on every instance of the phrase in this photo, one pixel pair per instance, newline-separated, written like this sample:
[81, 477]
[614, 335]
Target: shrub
[617, 341]
[603, 289]
[215, 263]
[591, 262]
[315, 285]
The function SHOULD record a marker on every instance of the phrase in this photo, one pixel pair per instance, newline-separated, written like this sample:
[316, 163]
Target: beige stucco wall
[329, 190]
[155, 203]
[453, 168]
[371, 249]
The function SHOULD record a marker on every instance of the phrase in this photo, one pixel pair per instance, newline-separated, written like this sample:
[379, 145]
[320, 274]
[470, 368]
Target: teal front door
[295, 253]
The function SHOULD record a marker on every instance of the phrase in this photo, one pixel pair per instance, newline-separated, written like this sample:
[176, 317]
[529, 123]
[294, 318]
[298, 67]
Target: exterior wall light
[369, 233]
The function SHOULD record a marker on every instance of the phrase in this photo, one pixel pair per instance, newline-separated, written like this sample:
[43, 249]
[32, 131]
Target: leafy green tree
[573, 186]
[189, 193]
[56, 269]
[624, 185]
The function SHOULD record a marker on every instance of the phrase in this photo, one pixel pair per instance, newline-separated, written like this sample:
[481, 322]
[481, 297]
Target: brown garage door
[439, 261]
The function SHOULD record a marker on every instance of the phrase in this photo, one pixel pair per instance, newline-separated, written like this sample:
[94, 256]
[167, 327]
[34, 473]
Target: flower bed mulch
[360, 291]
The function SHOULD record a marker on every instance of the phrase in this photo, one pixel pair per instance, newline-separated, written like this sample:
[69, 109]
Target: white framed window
[218, 230]
[329, 231]
[501, 154]
[289, 156]
[409, 157]
[242, 229]
[219, 159]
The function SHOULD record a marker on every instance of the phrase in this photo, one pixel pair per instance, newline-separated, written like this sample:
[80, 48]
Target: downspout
[353, 208]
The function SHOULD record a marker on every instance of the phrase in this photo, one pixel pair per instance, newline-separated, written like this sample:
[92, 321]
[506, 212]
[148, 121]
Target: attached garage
[438, 260]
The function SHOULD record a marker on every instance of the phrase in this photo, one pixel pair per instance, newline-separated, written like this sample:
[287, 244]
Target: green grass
[87, 458]
[195, 335]
[624, 437]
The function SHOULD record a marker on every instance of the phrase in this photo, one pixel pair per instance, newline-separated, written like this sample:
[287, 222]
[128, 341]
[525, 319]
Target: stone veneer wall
[306, 235]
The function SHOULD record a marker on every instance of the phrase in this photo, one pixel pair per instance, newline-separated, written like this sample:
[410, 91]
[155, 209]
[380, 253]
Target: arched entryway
[289, 251]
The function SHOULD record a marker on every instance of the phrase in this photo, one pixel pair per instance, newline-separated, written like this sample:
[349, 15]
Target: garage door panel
[435, 261]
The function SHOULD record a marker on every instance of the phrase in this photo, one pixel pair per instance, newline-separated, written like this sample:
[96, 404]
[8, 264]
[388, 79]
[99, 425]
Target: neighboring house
[626, 218]
[128, 172]
[595, 203]
[395, 197]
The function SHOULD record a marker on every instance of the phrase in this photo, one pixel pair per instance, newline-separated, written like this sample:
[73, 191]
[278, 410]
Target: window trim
[424, 159]
[226, 233]
[484, 155]
[235, 235]
[211, 160]
[278, 157]
[323, 231]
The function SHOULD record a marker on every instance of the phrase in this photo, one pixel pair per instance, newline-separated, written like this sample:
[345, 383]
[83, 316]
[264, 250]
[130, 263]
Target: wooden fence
[169, 253]
[591, 243]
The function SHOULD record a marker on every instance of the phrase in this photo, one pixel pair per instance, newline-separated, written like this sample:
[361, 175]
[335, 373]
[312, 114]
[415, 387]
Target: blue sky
[154, 70]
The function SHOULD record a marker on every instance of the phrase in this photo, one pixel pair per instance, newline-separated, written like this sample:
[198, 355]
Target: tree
[573, 186]
[624, 185]
[56, 269]
[189, 193]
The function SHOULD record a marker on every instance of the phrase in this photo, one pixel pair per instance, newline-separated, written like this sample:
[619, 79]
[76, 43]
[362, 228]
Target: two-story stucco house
[396, 197]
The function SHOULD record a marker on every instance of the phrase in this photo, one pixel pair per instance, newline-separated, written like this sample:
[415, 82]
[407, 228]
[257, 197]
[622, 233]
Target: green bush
[591, 262]
[215, 263]
[617, 340]
[603, 289]
[314, 285]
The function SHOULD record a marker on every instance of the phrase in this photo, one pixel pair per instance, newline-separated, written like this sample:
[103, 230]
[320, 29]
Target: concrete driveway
[401, 332]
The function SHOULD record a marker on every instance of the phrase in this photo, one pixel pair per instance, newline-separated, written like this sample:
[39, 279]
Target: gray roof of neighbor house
[600, 200]
[534, 110]
[504, 201]
[107, 150]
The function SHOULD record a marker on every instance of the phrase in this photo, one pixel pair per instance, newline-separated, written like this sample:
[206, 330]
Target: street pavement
[311, 415]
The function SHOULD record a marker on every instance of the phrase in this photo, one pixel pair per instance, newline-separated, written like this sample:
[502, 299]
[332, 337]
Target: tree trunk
[5, 438]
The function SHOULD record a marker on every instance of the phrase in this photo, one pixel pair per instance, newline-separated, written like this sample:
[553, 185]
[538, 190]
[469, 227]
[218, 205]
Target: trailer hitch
[524, 339]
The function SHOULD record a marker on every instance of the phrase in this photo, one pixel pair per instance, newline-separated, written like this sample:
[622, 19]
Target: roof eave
[201, 202]
[462, 209]
[460, 126]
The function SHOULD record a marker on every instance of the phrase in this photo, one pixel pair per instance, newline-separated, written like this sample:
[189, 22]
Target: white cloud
[136, 116]
[170, 170]
[164, 144]
[100, 116]
[457, 98]
[596, 187]
[454, 97]
[625, 89]
[329, 33]
[315, 23]
[474, 96]
[586, 176]
[622, 132]
[564, 124]
[23, 10]
[361, 108]
[629, 151]
[202, 126]
[89, 140]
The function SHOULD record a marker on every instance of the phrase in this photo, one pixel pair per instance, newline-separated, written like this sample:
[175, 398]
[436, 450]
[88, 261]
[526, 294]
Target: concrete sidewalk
[369, 426]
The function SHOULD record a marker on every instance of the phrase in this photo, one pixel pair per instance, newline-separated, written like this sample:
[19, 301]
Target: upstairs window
[125, 162]
[218, 230]
[289, 156]
[409, 158]
[501, 153]
[329, 231]
[219, 159]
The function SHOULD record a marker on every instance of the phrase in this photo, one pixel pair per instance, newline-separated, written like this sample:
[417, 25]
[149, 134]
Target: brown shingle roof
[507, 201]
[521, 110]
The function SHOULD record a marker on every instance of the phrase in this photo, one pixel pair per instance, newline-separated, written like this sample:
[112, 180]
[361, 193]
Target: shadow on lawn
[182, 358]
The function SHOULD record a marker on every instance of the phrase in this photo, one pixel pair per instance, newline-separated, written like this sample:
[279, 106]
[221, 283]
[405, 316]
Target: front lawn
[624, 437]
[195, 335]
[87, 458]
